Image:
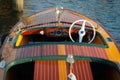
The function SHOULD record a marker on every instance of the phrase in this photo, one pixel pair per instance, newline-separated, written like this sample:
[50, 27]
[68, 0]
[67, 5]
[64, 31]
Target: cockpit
[79, 32]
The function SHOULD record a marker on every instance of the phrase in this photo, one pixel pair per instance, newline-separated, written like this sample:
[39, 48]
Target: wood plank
[82, 70]
[62, 49]
[46, 70]
[86, 51]
[59, 70]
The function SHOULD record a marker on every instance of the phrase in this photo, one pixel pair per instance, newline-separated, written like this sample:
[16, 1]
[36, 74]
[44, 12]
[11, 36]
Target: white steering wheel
[82, 31]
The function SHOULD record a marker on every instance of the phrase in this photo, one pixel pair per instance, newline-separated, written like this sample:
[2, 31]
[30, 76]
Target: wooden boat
[59, 44]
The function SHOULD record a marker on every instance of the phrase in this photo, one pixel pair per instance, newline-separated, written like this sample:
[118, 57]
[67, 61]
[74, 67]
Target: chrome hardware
[59, 11]
[71, 76]
[70, 59]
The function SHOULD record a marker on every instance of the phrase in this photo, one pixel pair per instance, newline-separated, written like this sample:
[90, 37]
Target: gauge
[58, 32]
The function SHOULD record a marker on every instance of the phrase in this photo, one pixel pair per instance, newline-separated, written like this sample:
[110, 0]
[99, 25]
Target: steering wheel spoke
[82, 32]
[80, 38]
[83, 26]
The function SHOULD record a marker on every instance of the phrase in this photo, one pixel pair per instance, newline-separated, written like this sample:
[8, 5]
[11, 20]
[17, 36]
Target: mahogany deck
[51, 70]
[52, 49]
[46, 17]
[82, 70]
[46, 70]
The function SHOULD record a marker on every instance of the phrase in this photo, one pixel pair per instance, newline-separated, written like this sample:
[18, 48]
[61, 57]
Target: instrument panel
[57, 32]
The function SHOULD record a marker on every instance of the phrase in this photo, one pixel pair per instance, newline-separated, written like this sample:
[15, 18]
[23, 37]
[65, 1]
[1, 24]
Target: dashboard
[57, 32]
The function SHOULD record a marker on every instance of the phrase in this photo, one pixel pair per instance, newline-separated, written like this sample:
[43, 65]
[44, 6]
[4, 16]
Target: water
[107, 12]
[8, 16]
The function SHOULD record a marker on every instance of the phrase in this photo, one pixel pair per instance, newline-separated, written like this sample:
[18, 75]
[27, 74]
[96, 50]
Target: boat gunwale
[111, 37]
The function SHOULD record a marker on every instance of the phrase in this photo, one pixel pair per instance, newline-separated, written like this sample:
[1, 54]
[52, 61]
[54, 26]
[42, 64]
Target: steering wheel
[82, 31]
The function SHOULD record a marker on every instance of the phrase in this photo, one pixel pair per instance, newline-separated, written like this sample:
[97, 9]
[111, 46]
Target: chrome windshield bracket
[59, 11]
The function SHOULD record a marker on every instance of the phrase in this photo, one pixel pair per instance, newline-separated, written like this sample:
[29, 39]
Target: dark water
[8, 16]
[107, 12]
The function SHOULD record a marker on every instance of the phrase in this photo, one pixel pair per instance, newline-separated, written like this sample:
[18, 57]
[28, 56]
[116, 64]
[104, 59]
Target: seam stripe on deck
[62, 63]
